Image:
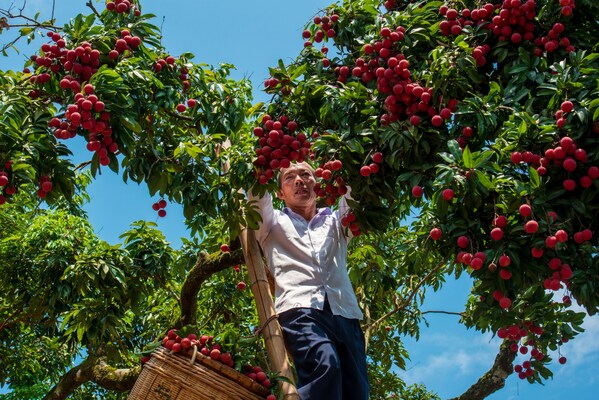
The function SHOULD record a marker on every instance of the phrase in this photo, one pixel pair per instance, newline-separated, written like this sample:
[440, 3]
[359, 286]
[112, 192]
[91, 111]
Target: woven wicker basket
[173, 376]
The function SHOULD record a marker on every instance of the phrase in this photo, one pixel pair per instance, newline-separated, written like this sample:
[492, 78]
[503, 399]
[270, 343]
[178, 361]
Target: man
[306, 251]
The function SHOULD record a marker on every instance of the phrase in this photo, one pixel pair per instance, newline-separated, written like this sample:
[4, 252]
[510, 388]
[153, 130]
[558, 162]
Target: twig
[32, 23]
[442, 312]
[407, 300]
[91, 5]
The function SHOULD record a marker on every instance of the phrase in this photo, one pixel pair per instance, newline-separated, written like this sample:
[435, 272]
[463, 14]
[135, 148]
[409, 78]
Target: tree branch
[8, 15]
[94, 369]
[91, 5]
[32, 22]
[111, 378]
[206, 265]
[459, 314]
[494, 378]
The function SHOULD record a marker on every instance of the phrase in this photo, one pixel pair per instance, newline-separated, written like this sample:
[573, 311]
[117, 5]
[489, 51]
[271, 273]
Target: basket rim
[217, 367]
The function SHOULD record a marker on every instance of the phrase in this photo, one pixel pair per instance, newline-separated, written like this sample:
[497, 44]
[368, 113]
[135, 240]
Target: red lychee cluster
[122, 7]
[567, 7]
[560, 272]
[571, 159]
[515, 21]
[88, 113]
[454, 22]
[566, 161]
[531, 227]
[325, 29]
[349, 221]
[475, 261]
[166, 62]
[283, 86]
[553, 41]
[191, 103]
[241, 285]
[384, 63]
[467, 133]
[159, 207]
[560, 115]
[374, 167]
[184, 78]
[257, 374]
[79, 63]
[479, 54]
[332, 184]
[523, 338]
[279, 143]
[45, 186]
[168, 65]
[172, 341]
[504, 301]
[124, 43]
[331, 187]
[524, 222]
[6, 189]
[505, 262]
[390, 4]
[465, 257]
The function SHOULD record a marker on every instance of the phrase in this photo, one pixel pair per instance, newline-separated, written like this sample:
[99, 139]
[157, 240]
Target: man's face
[297, 186]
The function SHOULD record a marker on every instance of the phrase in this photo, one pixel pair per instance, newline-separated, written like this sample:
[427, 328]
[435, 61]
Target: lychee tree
[467, 132]
[487, 118]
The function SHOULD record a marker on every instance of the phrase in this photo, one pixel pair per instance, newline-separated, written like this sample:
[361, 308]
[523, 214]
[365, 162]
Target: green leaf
[26, 31]
[80, 333]
[467, 158]
[484, 180]
[130, 122]
[455, 149]
[535, 180]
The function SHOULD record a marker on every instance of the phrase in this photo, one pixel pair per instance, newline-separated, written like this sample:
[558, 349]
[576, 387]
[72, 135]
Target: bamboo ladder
[273, 335]
[271, 330]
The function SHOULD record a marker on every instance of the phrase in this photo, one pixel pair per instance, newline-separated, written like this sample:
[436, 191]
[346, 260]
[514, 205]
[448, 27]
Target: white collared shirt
[308, 260]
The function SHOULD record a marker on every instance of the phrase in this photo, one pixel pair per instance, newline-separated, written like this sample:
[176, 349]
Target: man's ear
[279, 194]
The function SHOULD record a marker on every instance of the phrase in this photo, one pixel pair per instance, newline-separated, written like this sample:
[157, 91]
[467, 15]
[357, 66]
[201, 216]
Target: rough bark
[205, 266]
[494, 378]
[94, 369]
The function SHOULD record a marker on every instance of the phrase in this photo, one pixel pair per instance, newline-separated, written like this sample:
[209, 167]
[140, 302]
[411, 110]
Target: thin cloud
[450, 362]
[458, 359]
[580, 353]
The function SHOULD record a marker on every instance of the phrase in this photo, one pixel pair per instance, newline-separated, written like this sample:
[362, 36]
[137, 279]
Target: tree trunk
[96, 370]
[494, 378]
[205, 266]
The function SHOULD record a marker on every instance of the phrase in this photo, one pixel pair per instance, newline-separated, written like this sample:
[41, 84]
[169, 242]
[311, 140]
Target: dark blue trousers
[329, 354]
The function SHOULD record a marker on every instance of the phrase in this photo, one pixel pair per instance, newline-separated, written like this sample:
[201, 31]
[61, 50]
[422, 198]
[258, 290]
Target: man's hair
[294, 165]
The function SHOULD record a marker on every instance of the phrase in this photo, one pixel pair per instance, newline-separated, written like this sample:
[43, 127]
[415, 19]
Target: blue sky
[253, 36]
